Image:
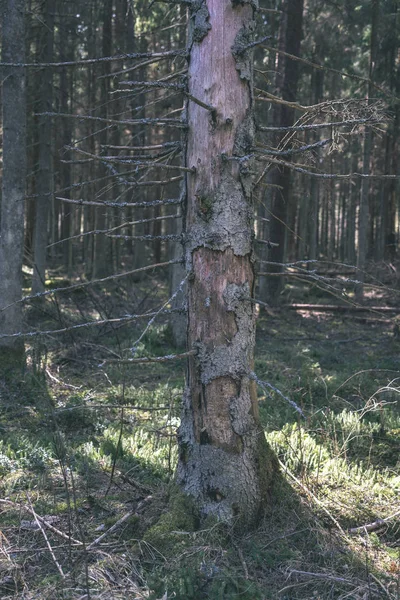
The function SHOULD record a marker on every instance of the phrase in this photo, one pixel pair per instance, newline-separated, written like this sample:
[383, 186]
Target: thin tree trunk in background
[317, 84]
[275, 65]
[178, 321]
[224, 460]
[66, 89]
[102, 258]
[293, 10]
[140, 137]
[389, 227]
[118, 215]
[45, 170]
[31, 158]
[332, 202]
[365, 183]
[343, 220]
[391, 237]
[13, 186]
[352, 195]
[89, 191]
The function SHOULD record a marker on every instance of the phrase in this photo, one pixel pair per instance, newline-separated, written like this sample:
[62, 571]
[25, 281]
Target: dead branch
[150, 359]
[374, 525]
[42, 520]
[339, 308]
[46, 539]
[118, 524]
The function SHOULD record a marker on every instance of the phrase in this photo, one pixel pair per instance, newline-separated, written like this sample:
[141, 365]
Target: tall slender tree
[13, 187]
[45, 168]
[102, 263]
[291, 30]
[367, 146]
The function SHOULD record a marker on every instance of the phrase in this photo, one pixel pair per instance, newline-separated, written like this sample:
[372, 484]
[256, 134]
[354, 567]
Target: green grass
[101, 443]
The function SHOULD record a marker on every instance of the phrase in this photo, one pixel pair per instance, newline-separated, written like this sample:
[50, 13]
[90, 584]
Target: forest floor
[88, 449]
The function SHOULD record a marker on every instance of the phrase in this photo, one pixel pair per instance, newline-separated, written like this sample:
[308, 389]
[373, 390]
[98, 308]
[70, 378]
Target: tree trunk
[102, 260]
[276, 64]
[280, 207]
[178, 320]
[224, 461]
[365, 183]
[45, 171]
[13, 187]
[66, 32]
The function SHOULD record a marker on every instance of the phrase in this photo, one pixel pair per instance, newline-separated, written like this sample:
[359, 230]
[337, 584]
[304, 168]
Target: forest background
[88, 423]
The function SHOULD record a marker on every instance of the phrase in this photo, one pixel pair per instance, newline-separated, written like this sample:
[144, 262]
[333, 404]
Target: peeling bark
[224, 462]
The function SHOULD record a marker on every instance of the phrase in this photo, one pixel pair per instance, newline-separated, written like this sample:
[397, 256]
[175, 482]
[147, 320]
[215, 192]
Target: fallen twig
[321, 576]
[374, 525]
[340, 308]
[148, 359]
[97, 541]
[46, 539]
[42, 520]
[122, 520]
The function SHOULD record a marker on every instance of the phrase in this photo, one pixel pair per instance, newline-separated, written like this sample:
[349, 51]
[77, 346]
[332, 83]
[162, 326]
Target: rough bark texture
[13, 187]
[224, 461]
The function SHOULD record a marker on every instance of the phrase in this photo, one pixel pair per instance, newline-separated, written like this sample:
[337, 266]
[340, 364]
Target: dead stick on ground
[43, 521]
[321, 576]
[122, 520]
[381, 585]
[375, 525]
[97, 541]
[46, 539]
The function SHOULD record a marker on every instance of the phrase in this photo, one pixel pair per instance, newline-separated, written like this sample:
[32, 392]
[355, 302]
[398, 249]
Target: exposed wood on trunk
[223, 461]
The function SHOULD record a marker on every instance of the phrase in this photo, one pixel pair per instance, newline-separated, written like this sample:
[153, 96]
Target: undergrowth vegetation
[88, 449]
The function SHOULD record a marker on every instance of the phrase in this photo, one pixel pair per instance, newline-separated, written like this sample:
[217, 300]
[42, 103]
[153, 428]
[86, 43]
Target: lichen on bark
[230, 359]
[242, 50]
[221, 444]
[200, 20]
[253, 3]
[228, 223]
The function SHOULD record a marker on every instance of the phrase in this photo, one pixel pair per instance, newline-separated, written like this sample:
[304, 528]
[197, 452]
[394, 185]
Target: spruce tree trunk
[365, 183]
[67, 50]
[282, 199]
[45, 171]
[224, 461]
[13, 186]
[178, 320]
[102, 259]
